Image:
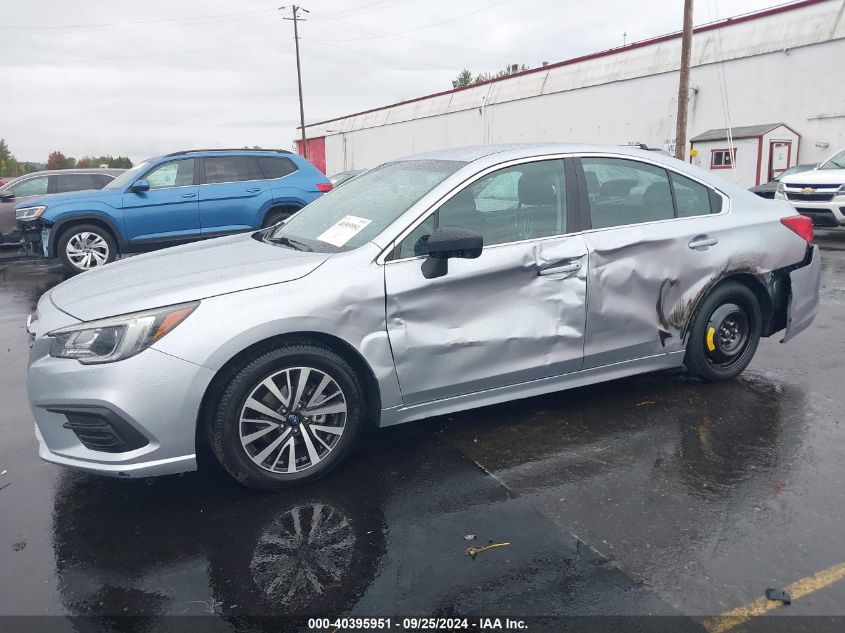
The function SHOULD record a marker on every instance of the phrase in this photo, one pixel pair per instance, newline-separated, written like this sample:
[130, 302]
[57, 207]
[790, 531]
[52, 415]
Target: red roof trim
[746, 17]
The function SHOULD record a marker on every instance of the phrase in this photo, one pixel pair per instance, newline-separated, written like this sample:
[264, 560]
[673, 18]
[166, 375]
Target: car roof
[53, 172]
[509, 151]
[484, 156]
[231, 150]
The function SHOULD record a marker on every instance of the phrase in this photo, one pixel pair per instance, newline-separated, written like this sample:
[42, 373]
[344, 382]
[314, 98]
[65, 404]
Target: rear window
[231, 169]
[75, 182]
[276, 167]
[691, 198]
[623, 192]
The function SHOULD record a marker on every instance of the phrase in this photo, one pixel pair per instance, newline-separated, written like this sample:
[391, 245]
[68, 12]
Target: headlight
[29, 213]
[780, 187]
[117, 338]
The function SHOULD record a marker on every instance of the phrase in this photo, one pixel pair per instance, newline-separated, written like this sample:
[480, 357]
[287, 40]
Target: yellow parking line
[796, 590]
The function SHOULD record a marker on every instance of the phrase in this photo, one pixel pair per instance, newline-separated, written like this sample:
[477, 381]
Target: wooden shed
[755, 153]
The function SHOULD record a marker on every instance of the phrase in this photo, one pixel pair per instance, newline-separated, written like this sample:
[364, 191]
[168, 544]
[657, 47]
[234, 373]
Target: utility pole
[683, 87]
[295, 17]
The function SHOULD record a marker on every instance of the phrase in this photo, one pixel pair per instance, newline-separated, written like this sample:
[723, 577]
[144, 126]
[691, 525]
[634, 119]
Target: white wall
[630, 96]
[745, 169]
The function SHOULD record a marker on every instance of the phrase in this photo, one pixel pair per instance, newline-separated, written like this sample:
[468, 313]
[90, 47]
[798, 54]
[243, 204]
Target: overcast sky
[140, 79]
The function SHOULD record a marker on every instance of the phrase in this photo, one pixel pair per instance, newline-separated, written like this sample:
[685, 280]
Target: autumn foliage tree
[57, 160]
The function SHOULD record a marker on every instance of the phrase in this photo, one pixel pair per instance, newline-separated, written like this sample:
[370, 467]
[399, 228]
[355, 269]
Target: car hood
[766, 186]
[55, 199]
[816, 176]
[179, 274]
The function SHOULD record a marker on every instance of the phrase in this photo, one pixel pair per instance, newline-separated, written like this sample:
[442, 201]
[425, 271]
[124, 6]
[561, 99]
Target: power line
[364, 8]
[120, 57]
[424, 27]
[378, 56]
[135, 23]
[382, 34]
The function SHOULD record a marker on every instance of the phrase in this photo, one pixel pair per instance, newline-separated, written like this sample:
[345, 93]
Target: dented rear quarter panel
[645, 281]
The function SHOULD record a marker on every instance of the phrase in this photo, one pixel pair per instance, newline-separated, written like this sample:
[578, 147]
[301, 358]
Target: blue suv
[169, 200]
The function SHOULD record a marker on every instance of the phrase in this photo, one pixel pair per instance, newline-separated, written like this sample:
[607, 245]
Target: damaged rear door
[657, 242]
[514, 314]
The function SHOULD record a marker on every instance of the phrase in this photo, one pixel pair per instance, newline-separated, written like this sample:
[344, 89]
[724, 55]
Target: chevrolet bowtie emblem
[806, 191]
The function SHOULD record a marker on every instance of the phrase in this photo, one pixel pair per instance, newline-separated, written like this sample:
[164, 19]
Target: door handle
[189, 195]
[253, 189]
[703, 242]
[558, 268]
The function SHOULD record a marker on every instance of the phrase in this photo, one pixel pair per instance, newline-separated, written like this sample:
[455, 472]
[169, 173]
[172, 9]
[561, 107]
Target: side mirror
[140, 186]
[7, 195]
[446, 243]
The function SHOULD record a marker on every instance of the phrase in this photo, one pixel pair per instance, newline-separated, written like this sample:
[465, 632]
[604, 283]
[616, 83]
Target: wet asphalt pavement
[654, 495]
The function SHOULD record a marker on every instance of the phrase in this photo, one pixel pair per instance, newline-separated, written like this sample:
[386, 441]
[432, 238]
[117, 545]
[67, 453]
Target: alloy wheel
[292, 420]
[86, 250]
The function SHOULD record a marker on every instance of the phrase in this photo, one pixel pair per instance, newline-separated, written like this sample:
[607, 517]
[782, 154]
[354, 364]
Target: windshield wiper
[290, 243]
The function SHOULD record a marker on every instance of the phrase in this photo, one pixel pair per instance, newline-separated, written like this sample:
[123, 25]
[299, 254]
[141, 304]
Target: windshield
[837, 162]
[126, 177]
[363, 207]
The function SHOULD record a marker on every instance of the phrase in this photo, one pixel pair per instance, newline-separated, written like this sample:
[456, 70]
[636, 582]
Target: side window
[517, 203]
[276, 167]
[31, 187]
[74, 182]
[624, 191]
[232, 169]
[691, 198]
[177, 173]
[102, 180]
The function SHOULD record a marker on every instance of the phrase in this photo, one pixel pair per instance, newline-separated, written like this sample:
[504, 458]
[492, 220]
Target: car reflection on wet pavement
[653, 495]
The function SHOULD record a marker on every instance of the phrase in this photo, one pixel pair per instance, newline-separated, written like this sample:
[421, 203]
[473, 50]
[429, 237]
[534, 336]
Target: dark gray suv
[46, 182]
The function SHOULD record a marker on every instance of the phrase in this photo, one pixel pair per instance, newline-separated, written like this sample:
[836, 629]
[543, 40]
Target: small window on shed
[722, 158]
[276, 167]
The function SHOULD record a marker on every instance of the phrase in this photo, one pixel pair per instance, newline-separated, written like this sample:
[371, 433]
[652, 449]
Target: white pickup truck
[819, 193]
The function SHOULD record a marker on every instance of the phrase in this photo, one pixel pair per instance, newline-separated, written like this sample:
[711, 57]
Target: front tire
[725, 333]
[288, 416]
[85, 246]
[274, 217]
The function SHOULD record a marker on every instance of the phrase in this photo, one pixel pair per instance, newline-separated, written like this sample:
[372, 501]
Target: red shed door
[780, 157]
[316, 151]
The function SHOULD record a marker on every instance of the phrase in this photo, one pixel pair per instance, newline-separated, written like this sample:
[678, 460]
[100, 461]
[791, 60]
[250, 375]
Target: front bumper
[804, 285]
[152, 400]
[827, 214]
[35, 236]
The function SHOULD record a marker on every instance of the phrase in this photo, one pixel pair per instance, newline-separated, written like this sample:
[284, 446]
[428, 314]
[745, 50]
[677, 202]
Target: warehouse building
[775, 72]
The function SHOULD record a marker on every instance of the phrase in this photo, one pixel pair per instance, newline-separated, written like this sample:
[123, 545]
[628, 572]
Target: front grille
[820, 217]
[813, 197]
[796, 186]
[102, 430]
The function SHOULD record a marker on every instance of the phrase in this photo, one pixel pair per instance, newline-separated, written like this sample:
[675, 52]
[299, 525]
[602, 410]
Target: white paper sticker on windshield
[343, 230]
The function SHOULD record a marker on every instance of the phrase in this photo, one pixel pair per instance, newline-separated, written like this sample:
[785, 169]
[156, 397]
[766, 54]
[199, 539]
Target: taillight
[801, 225]
[325, 186]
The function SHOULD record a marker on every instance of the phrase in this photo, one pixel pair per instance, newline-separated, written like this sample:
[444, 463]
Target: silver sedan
[436, 283]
